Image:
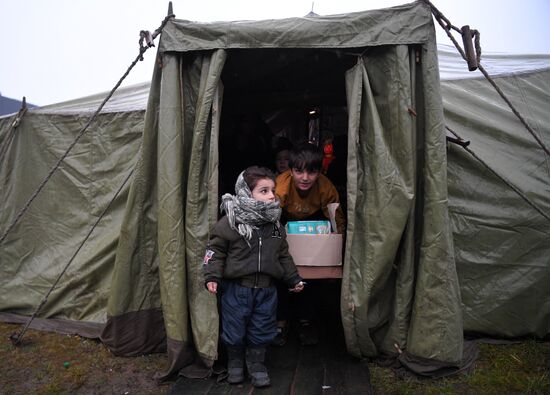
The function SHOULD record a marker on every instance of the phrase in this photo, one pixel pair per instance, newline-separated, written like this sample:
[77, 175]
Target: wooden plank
[281, 364]
[309, 373]
[234, 389]
[184, 385]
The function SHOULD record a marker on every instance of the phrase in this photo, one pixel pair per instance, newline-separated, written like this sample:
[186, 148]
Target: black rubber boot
[255, 357]
[235, 364]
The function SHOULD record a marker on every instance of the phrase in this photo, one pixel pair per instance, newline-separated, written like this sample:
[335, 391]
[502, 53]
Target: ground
[50, 363]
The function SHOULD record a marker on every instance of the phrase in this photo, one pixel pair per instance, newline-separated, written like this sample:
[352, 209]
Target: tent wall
[42, 243]
[501, 240]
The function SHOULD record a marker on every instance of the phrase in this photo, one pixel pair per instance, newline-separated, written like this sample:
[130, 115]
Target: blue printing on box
[308, 227]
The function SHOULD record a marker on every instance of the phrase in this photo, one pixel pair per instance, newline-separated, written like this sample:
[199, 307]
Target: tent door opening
[272, 97]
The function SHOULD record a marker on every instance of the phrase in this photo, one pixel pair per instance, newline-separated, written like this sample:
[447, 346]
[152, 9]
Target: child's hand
[212, 287]
[298, 287]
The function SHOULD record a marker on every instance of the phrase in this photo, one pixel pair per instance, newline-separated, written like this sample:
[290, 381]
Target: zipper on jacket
[259, 259]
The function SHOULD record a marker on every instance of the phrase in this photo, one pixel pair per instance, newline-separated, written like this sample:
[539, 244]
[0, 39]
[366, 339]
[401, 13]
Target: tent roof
[451, 67]
[130, 98]
[405, 24]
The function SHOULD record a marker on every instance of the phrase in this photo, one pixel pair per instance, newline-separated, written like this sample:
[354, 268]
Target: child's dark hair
[282, 144]
[306, 156]
[254, 173]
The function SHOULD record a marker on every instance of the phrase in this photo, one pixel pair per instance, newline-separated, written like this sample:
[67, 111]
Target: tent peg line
[475, 62]
[144, 36]
[17, 338]
[464, 144]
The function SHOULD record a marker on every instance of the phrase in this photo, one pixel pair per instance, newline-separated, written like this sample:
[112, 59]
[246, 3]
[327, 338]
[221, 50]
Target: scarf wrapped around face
[246, 213]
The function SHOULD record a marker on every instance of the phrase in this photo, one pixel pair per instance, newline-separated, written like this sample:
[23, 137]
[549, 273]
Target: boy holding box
[304, 194]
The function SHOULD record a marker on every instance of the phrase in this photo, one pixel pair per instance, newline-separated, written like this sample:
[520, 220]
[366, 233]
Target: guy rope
[149, 38]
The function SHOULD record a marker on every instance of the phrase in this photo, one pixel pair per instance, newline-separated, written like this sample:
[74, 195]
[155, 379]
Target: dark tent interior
[292, 94]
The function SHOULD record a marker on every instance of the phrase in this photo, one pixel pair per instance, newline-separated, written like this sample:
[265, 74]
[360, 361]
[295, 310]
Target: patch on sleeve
[207, 256]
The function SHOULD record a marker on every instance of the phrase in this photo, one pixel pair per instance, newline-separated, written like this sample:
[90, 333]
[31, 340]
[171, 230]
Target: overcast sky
[58, 50]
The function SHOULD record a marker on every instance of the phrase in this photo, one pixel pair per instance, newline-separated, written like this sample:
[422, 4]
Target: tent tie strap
[474, 64]
[139, 57]
[149, 38]
[145, 35]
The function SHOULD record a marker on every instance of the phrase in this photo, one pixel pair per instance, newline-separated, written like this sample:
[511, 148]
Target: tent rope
[514, 188]
[18, 338]
[11, 132]
[144, 35]
[447, 26]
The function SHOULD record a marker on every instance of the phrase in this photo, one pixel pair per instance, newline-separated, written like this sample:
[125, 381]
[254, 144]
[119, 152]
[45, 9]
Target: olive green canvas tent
[136, 283]
[499, 193]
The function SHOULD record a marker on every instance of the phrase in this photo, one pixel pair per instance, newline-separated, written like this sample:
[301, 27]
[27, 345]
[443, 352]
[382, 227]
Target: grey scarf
[246, 213]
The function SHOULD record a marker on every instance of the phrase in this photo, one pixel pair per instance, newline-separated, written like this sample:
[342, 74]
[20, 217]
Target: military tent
[136, 282]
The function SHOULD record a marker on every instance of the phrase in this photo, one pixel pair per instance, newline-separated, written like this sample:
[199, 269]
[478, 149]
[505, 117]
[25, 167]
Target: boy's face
[304, 179]
[264, 191]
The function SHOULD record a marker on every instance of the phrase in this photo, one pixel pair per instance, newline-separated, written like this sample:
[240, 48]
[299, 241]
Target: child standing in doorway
[246, 253]
[304, 194]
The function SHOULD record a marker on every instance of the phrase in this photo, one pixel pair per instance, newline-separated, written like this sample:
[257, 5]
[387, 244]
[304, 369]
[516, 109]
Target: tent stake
[469, 48]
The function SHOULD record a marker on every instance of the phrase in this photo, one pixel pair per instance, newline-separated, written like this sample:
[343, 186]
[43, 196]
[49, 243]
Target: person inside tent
[282, 149]
[304, 194]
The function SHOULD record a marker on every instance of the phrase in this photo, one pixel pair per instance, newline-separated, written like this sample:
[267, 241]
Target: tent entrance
[271, 95]
[295, 94]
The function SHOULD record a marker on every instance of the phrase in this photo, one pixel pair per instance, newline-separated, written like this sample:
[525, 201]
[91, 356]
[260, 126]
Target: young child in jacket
[246, 253]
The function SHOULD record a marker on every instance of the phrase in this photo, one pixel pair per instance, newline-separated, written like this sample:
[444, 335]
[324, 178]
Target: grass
[522, 368]
[50, 363]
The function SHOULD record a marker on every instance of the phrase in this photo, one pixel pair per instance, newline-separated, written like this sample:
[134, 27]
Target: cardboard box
[315, 250]
[319, 272]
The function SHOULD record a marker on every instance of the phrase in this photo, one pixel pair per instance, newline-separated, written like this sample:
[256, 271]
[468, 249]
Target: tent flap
[400, 288]
[168, 211]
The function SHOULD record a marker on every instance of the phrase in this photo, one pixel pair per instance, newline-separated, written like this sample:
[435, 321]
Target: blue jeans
[248, 315]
